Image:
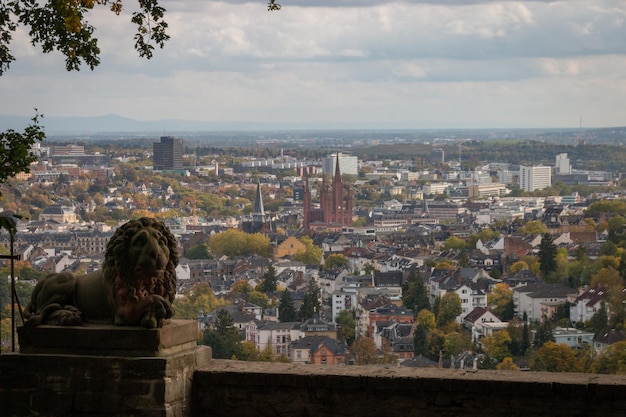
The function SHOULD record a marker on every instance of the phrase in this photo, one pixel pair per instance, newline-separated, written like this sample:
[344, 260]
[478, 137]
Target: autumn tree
[553, 357]
[199, 297]
[497, 345]
[612, 360]
[364, 351]
[507, 364]
[259, 299]
[453, 243]
[233, 243]
[500, 299]
[312, 255]
[427, 319]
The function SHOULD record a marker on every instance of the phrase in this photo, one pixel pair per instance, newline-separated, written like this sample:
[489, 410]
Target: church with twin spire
[335, 208]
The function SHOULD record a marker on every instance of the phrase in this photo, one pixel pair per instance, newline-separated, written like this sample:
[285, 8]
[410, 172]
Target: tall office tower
[563, 166]
[348, 164]
[437, 156]
[168, 154]
[533, 178]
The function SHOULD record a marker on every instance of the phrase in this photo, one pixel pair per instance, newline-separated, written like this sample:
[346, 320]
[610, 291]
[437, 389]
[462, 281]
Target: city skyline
[357, 64]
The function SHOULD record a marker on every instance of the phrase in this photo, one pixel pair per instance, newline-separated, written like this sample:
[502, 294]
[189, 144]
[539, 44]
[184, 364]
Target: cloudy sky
[349, 63]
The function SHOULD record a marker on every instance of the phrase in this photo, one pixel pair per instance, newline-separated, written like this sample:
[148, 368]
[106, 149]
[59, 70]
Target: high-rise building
[563, 166]
[348, 164]
[168, 154]
[533, 178]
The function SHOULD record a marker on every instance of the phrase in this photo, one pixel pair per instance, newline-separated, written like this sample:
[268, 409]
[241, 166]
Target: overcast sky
[404, 64]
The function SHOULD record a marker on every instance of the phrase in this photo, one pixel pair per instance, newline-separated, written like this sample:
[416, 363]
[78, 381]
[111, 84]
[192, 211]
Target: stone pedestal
[102, 370]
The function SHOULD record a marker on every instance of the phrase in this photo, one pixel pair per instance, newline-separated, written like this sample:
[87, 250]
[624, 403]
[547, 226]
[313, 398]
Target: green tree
[311, 304]
[414, 294]
[599, 322]
[223, 337]
[533, 227]
[286, 309]
[347, 323]
[270, 282]
[200, 251]
[543, 334]
[456, 342]
[336, 260]
[449, 308]
[259, 299]
[454, 243]
[547, 257]
[15, 147]
[420, 340]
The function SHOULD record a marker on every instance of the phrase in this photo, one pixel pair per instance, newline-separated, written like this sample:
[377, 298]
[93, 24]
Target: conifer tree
[286, 309]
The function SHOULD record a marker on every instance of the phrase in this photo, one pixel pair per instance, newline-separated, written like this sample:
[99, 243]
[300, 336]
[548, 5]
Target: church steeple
[258, 215]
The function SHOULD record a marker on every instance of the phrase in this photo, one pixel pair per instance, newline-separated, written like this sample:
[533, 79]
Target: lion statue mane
[135, 286]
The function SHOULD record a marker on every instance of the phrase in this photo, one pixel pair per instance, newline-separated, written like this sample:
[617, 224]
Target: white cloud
[517, 63]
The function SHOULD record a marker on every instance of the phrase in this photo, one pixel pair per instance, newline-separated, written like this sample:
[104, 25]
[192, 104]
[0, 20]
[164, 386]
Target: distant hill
[117, 124]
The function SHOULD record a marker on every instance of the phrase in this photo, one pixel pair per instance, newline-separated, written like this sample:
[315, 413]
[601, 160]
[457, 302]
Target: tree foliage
[312, 255]
[311, 304]
[553, 357]
[364, 351]
[612, 360]
[223, 337]
[547, 256]
[449, 308]
[501, 301]
[497, 345]
[270, 282]
[233, 243]
[62, 25]
[286, 309]
[346, 321]
[199, 297]
[414, 294]
[336, 260]
[15, 147]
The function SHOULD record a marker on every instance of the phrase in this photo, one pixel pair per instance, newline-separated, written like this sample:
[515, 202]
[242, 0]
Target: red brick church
[335, 210]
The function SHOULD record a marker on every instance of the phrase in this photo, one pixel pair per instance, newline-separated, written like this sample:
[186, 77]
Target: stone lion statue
[136, 285]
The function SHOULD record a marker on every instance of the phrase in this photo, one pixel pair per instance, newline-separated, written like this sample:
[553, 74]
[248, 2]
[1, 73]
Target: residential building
[539, 301]
[588, 303]
[572, 337]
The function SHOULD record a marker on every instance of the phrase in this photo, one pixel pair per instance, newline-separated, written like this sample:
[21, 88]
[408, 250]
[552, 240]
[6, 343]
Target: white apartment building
[348, 164]
[533, 178]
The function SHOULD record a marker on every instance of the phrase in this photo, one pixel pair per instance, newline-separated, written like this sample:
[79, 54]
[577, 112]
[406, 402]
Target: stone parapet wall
[72, 385]
[238, 389]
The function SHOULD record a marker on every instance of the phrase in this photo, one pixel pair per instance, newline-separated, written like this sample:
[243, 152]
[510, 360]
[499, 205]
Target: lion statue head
[136, 285]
